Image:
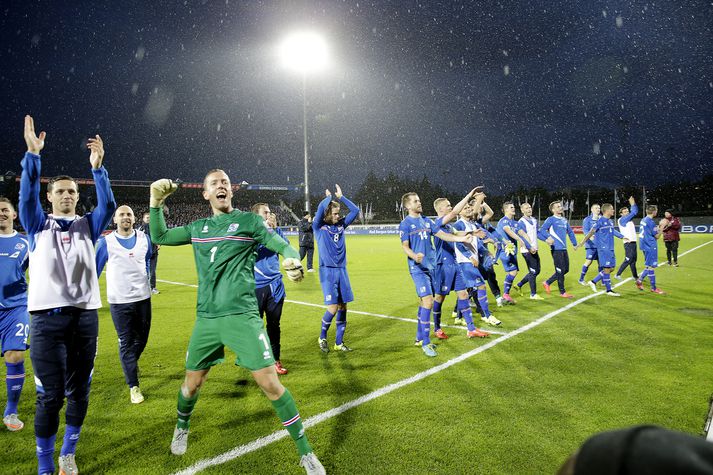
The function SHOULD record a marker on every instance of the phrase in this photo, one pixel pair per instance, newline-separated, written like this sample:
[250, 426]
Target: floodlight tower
[306, 53]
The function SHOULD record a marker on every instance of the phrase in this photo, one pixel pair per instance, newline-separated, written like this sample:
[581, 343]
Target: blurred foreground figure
[641, 450]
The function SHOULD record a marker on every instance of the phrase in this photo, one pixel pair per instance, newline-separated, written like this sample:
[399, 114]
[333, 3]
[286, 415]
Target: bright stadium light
[306, 53]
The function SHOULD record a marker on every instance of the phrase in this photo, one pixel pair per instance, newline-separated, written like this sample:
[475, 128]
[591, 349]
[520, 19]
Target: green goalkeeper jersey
[224, 247]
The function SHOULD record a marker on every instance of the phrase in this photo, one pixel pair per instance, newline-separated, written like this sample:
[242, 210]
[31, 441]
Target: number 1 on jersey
[264, 341]
[212, 253]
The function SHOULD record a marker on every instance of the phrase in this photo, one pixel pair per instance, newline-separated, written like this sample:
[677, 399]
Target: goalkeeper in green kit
[224, 250]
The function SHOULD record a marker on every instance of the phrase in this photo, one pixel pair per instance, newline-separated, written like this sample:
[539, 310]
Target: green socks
[287, 412]
[185, 409]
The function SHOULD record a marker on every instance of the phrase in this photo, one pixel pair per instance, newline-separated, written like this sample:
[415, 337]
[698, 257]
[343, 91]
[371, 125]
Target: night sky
[503, 93]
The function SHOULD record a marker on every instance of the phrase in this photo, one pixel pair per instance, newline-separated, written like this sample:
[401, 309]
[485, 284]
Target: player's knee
[51, 400]
[14, 356]
[192, 384]
[271, 386]
[332, 308]
[427, 301]
[341, 306]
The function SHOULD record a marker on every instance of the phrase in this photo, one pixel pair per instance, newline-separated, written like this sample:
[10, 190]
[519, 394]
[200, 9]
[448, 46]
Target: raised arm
[160, 234]
[106, 205]
[488, 212]
[101, 255]
[353, 211]
[633, 211]
[32, 217]
[455, 212]
[318, 220]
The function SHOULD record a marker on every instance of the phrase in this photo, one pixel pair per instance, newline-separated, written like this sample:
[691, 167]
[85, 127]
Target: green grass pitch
[519, 407]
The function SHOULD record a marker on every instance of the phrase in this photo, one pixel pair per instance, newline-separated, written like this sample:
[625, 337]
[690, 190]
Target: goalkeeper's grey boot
[311, 464]
[179, 444]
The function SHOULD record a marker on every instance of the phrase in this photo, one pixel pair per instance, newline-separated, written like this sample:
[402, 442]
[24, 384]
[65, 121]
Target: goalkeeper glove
[510, 249]
[160, 190]
[293, 268]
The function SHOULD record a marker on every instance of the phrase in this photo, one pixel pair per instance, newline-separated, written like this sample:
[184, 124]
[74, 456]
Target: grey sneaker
[12, 422]
[342, 347]
[312, 465]
[323, 345]
[179, 444]
[67, 465]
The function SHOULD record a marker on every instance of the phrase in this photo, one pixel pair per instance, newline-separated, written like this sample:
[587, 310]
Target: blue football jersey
[418, 232]
[14, 251]
[647, 235]
[445, 251]
[267, 268]
[604, 233]
[330, 237]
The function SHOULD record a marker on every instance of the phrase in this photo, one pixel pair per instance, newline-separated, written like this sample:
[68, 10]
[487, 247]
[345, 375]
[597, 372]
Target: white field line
[323, 416]
[390, 317]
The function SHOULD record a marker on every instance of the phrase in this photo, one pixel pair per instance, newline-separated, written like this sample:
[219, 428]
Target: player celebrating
[269, 289]
[649, 232]
[415, 232]
[14, 319]
[128, 291]
[554, 231]
[333, 277]
[527, 229]
[627, 228]
[64, 320]
[468, 258]
[224, 248]
[507, 227]
[589, 245]
[448, 275]
[603, 232]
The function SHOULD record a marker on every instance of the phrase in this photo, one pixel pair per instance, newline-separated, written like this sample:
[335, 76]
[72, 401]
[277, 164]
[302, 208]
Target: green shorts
[243, 334]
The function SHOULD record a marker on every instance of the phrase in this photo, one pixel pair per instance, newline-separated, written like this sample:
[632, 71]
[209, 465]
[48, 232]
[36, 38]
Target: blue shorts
[606, 258]
[335, 285]
[592, 254]
[448, 277]
[471, 275]
[14, 329]
[509, 262]
[423, 281]
[651, 258]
